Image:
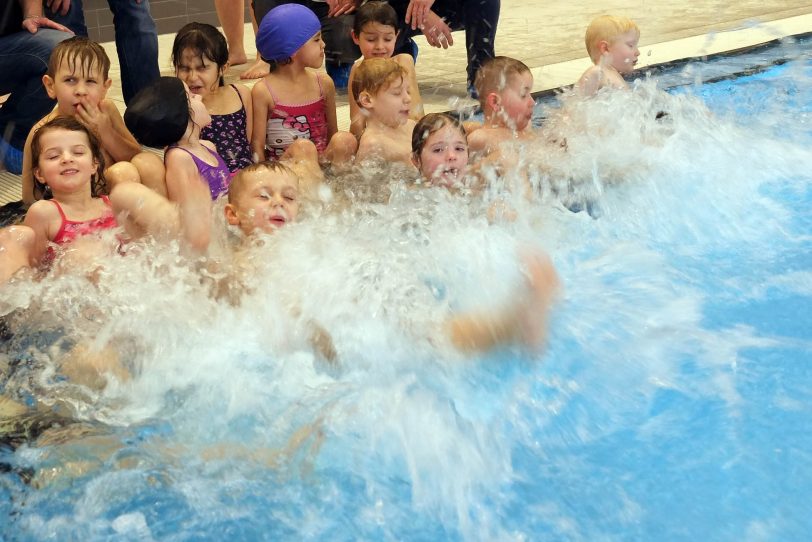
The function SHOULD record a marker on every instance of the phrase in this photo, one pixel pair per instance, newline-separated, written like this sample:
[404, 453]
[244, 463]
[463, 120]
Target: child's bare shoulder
[405, 60]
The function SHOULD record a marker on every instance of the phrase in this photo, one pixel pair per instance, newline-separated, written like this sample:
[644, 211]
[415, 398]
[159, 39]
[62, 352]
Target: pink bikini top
[71, 229]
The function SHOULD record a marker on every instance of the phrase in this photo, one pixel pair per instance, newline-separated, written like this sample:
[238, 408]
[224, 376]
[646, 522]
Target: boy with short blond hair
[612, 46]
[505, 87]
[381, 88]
[78, 78]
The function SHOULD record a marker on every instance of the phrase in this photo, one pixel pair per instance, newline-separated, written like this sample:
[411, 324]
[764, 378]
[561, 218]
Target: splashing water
[672, 401]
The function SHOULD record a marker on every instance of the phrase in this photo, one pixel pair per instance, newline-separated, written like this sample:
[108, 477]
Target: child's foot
[256, 70]
[542, 288]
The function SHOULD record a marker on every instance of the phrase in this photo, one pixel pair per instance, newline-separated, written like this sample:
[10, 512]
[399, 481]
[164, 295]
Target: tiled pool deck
[548, 37]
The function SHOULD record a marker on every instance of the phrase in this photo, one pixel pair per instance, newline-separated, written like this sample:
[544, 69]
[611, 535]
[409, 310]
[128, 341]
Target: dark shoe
[340, 74]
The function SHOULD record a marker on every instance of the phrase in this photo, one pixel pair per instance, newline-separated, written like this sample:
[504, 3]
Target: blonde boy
[612, 45]
[381, 88]
[77, 79]
[375, 32]
[504, 86]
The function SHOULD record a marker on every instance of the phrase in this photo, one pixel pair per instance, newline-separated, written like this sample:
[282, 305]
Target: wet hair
[375, 11]
[375, 74]
[237, 185]
[80, 53]
[159, 114]
[98, 186]
[605, 28]
[206, 41]
[493, 75]
[430, 124]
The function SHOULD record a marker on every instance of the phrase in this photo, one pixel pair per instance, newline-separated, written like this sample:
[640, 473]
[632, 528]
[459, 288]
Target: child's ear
[603, 47]
[493, 101]
[37, 175]
[355, 38]
[231, 215]
[48, 83]
[365, 100]
[107, 86]
[416, 160]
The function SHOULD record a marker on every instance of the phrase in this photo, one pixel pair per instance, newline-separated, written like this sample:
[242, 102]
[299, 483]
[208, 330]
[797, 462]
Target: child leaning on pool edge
[375, 33]
[78, 80]
[294, 107]
[504, 86]
[381, 88]
[612, 45]
[200, 58]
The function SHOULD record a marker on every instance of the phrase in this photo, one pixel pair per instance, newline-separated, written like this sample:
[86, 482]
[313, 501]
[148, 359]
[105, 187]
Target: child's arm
[16, 245]
[185, 187]
[41, 217]
[245, 94]
[357, 118]
[329, 89]
[105, 121]
[262, 102]
[416, 109]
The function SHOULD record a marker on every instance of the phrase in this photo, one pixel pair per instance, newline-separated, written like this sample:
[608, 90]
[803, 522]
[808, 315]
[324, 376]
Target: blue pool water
[673, 400]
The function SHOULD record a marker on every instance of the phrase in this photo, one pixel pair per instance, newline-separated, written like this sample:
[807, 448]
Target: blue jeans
[136, 41]
[23, 62]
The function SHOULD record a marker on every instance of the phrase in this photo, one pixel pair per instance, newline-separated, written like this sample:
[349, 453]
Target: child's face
[311, 54]
[66, 162]
[200, 74]
[391, 104]
[444, 157]
[267, 202]
[71, 88]
[199, 114]
[623, 51]
[516, 101]
[376, 40]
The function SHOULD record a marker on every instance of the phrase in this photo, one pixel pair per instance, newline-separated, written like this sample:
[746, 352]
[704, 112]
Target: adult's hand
[60, 6]
[437, 32]
[417, 11]
[33, 24]
[341, 7]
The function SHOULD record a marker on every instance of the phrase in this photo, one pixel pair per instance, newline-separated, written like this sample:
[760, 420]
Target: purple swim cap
[284, 30]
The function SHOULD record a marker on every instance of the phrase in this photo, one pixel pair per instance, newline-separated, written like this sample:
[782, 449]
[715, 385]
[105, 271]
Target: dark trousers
[478, 18]
[23, 62]
[136, 40]
[338, 44]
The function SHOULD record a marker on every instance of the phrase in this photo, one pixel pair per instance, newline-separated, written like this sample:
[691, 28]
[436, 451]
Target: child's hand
[94, 118]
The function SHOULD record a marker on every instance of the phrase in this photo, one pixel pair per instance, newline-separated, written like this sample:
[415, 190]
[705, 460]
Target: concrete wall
[169, 16]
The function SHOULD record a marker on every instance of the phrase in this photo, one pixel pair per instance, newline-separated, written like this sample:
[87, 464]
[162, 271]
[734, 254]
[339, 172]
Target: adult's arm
[437, 32]
[342, 7]
[417, 11]
[33, 19]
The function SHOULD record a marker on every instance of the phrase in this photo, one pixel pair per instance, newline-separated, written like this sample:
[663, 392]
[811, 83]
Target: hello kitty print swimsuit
[288, 122]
